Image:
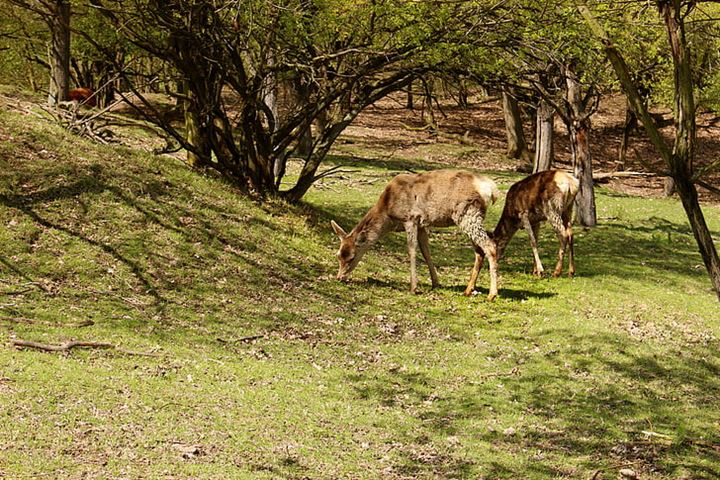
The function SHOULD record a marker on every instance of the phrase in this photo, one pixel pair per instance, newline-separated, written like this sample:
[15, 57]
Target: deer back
[438, 197]
[552, 189]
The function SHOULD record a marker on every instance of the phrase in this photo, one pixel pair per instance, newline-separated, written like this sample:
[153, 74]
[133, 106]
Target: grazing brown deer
[418, 201]
[547, 195]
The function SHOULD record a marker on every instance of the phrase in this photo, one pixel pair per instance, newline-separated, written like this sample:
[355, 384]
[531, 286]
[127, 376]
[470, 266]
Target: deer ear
[338, 230]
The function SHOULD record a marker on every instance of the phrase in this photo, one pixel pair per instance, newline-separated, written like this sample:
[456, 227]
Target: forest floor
[237, 354]
[392, 128]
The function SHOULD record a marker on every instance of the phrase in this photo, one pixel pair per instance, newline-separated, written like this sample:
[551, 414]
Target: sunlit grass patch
[265, 366]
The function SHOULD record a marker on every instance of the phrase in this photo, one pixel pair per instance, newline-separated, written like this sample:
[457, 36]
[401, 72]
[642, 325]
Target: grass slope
[269, 368]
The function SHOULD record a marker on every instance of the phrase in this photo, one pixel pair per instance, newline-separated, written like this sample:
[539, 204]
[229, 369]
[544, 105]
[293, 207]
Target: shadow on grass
[156, 203]
[591, 402]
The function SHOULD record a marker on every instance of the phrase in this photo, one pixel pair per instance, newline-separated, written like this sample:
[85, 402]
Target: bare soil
[399, 131]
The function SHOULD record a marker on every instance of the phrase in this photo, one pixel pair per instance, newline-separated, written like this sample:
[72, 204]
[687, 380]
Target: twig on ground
[514, 371]
[69, 345]
[30, 321]
[241, 339]
[62, 347]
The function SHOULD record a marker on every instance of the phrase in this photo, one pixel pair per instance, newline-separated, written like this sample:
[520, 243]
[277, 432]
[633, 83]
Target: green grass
[557, 378]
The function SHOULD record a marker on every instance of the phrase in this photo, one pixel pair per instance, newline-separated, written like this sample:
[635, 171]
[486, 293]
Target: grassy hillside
[266, 367]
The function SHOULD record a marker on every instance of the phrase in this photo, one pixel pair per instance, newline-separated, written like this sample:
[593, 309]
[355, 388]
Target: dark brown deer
[417, 201]
[547, 195]
[83, 95]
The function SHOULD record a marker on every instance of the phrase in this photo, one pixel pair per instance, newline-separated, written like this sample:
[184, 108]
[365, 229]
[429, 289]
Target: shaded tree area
[328, 61]
[550, 63]
[679, 159]
[259, 83]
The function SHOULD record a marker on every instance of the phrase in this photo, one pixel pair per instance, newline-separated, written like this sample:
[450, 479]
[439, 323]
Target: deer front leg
[472, 223]
[479, 258]
[425, 250]
[493, 262]
[570, 248]
[411, 228]
[532, 230]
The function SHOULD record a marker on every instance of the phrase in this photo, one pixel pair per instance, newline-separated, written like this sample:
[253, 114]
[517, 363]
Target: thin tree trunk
[579, 130]
[409, 104]
[544, 151]
[631, 122]
[462, 93]
[582, 168]
[428, 106]
[59, 53]
[516, 145]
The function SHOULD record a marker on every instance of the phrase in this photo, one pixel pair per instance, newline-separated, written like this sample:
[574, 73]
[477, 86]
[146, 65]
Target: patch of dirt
[400, 132]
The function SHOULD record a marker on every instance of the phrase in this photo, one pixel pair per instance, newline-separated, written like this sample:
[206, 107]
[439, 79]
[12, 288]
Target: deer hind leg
[425, 250]
[564, 234]
[479, 258]
[472, 223]
[532, 231]
[411, 228]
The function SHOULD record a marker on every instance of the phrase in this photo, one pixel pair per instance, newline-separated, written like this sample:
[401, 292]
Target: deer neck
[504, 232]
[373, 225]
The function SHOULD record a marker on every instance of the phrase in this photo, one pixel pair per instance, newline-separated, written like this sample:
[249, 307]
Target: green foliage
[268, 367]
[23, 39]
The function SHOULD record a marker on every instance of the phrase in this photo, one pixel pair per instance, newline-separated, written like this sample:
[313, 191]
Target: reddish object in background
[83, 95]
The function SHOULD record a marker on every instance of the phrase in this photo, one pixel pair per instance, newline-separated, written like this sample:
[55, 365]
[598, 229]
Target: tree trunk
[578, 123]
[544, 151]
[59, 21]
[688, 195]
[582, 168]
[301, 95]
[681, 161]
[517, 147]
[194, 134]
[462, 93]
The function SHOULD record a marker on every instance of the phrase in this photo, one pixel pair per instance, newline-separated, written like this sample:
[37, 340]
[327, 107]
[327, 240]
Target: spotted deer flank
[415, 202]
[547, 195]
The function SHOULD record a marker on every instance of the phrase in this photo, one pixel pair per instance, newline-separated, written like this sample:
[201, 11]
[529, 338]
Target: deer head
[353, 246]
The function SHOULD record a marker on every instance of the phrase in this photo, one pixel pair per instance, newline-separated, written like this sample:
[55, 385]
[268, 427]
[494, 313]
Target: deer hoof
[491, 297]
